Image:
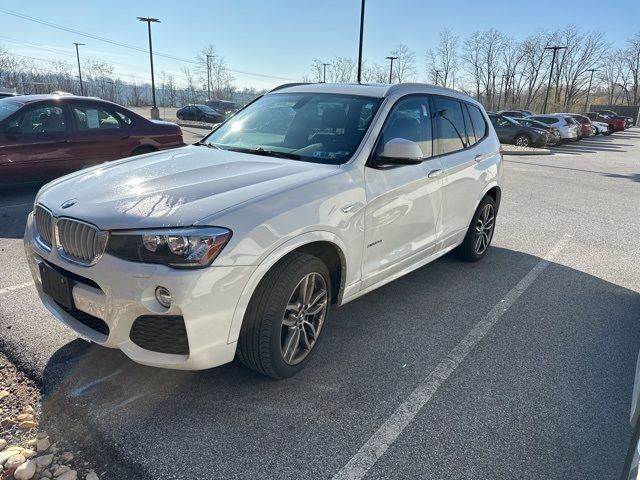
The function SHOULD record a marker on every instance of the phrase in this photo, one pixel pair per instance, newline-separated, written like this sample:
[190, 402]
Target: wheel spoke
[317, 308]
[320, 294]
[305, 337]
[291, 344]
[302, 292]
[489, 223]
[293, 307]
[477, 244]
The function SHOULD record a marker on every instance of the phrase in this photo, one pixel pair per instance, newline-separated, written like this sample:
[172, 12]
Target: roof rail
[287, 85]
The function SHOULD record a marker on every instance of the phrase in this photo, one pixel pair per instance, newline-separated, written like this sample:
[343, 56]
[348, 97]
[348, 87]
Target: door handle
[434, 173]
[479, 157]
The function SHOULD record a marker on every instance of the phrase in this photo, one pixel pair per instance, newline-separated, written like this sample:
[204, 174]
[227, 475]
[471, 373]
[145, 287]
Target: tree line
[208, 78]
[503, 72]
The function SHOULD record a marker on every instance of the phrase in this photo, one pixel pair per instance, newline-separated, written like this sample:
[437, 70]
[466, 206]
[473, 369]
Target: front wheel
[522, 141]
[285, 316]
[480, 233]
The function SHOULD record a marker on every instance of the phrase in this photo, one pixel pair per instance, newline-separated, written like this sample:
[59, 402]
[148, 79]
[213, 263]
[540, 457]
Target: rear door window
[90, 117]
[450, 125]
[478, 121]
[410, 119]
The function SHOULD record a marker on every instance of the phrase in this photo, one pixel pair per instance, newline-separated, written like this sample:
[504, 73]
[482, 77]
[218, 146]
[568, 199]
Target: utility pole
[324, 72]
[391, 67]
[553, 62]
[438, 76]
[209, 77]
[79, 69]
[500, 93]
[155, 114]
[586, 104]
[360, 45]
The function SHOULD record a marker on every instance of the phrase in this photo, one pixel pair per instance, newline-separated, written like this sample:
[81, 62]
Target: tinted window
[40, 120]
[94, 118]
[410, 119]
[451, 131]
[471, 136]
[7, 108]
[124, 117]
[478, 121]
[500, 122]
[547, 120]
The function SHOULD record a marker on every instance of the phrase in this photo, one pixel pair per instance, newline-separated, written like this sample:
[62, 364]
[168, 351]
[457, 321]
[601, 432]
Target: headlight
[193, 247]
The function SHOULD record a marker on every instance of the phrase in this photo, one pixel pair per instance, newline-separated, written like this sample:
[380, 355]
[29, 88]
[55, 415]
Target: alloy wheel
[484, 229]
[303, 318]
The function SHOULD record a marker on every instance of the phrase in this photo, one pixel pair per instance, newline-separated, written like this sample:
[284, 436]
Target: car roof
[376, 90]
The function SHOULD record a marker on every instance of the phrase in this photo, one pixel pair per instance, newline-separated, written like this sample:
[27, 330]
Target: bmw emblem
[69, 203]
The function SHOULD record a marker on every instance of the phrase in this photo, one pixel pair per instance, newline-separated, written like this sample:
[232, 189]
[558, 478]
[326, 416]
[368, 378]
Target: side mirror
[398, 152]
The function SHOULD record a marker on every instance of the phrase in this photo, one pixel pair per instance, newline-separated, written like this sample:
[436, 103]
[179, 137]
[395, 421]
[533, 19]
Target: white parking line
[391, 429]
[15, 287]
[16, 205]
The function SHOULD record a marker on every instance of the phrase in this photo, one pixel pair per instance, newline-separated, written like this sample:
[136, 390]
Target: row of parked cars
[527, 129]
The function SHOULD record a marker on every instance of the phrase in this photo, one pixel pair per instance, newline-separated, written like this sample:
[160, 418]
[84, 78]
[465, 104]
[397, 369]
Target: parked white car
[601, 128]
[568, 129]
[310, 196]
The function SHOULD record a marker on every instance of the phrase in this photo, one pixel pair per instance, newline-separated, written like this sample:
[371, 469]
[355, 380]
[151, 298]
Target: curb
[537, 151]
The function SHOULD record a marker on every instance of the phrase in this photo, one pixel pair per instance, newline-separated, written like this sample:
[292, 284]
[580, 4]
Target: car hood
[173, 188]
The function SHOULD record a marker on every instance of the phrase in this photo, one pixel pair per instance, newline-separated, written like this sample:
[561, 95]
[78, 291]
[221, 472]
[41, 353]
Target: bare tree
[404, 67]
[632, 61]
[442, 62]
[212, 70]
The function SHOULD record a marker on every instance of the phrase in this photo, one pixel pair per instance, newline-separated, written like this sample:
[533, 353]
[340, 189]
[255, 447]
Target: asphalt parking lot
[520, 366]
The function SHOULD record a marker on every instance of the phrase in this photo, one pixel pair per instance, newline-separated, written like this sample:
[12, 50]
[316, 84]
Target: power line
[127, 45]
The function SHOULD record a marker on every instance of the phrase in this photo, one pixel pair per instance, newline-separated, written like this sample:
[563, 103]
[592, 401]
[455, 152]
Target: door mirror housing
[398, 152]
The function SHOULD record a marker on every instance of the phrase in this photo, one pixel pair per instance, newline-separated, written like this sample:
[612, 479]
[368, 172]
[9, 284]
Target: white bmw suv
[312, 195]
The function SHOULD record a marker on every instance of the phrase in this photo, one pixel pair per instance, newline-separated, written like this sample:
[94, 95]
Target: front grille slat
[44, 225]
[79, 242]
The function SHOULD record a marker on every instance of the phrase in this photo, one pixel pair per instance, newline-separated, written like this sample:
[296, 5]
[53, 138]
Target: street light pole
[360, 45]
[79, 69]
[553, 62]
[155, 114]
[324, 72]
[438, 76]
[391, 67]
[209, 77]
[586, 105]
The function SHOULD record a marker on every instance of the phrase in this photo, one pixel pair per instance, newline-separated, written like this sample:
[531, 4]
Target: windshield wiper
[266, 153]
[205, 144]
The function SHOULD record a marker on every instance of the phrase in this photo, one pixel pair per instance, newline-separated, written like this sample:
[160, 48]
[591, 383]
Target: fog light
[163, 297]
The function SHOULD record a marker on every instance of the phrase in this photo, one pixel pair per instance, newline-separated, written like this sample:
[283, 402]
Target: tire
[468, 250]
[270, 321]
[142, 151]
[522, 141]
[180, 117]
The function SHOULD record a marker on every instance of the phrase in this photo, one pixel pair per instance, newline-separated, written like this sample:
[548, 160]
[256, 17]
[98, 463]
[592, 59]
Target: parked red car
[617, 124]
[585, 124]
[45, 136]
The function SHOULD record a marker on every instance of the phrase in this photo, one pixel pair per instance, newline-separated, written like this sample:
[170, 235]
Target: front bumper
[205, 298]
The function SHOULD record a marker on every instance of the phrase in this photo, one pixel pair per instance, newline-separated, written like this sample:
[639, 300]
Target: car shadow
[569, 343]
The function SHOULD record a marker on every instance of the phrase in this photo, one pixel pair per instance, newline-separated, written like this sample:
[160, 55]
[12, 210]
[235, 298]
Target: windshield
[315, 127]
[7, 107]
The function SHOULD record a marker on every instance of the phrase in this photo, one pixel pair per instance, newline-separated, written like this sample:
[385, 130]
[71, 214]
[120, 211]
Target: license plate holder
[58, 286]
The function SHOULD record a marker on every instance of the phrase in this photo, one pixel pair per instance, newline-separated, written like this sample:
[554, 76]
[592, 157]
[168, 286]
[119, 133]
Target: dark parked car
[513, 113]
[553, 132]
[628, 121]
[45, 136]
[7, 94]
[223, 106]
[616, 124]
[200, 113]
[510, 131]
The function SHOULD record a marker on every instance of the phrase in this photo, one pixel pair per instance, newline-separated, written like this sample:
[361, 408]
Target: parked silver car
[568, 130]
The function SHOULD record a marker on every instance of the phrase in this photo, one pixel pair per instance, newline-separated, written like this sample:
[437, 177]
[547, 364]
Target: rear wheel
[180, 116]
[285, 316]
[522, 141]
[480, 233]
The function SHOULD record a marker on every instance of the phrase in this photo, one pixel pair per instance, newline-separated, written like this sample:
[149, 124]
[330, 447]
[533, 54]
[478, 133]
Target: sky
[269, 42]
